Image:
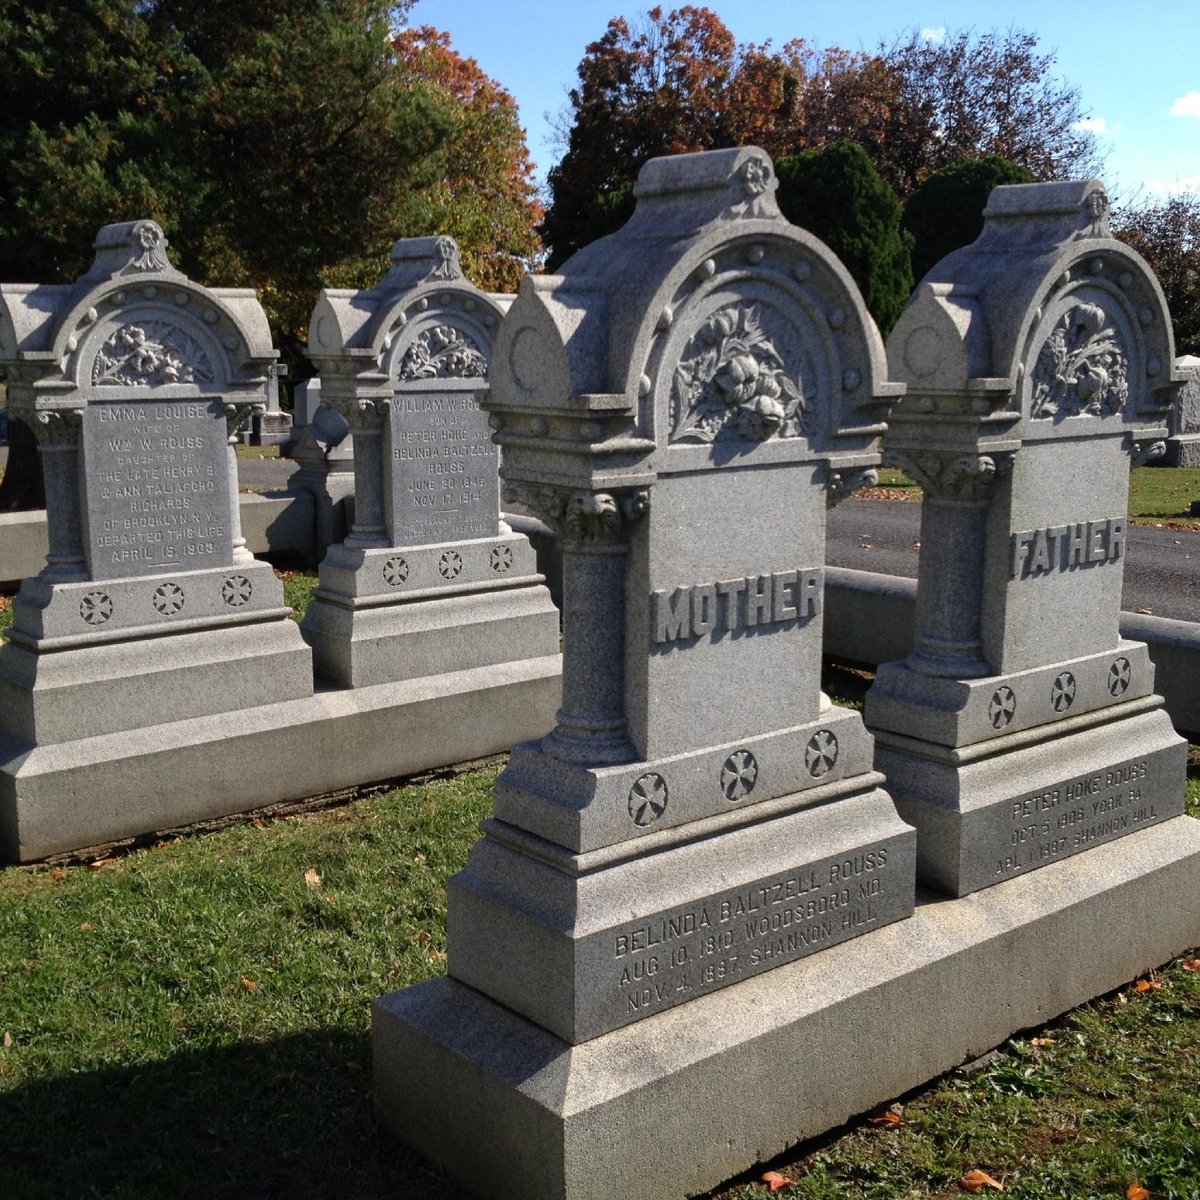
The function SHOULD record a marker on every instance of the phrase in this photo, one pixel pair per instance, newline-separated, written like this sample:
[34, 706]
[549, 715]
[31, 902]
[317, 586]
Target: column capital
[951, 474]
[582, 517]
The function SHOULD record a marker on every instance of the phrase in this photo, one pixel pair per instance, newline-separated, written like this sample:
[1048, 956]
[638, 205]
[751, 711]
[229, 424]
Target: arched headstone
[428, 580]
[150, 609]
[1022, 728]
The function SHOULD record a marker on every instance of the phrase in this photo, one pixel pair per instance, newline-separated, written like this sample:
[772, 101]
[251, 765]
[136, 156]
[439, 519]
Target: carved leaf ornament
[733, 382]
[1081, 370]
[149, 355]
[443, 352]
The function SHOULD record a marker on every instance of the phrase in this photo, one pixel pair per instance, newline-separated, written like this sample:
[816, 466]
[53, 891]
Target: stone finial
[1050, 212]
[415, 260]
[130, 248]
[699, 188]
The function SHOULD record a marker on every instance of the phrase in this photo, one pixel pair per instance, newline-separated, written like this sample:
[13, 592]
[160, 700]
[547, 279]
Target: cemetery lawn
[192, 1020]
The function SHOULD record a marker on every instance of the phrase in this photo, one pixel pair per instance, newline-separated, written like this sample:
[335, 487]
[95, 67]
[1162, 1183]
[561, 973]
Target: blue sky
[1136, 65]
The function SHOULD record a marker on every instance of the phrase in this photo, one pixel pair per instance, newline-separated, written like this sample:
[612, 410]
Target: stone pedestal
[676, 1104]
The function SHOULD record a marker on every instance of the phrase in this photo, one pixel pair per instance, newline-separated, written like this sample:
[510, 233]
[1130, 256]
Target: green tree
[946, 211]
[837, 194]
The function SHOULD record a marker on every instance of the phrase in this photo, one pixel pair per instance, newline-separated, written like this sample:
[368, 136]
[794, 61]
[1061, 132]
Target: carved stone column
[367, 419]
[236, 416]
[57, 435]
[948, 635]
[594, 528]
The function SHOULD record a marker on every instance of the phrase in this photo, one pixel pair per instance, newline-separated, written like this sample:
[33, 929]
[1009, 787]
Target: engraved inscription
[733, 605]
[445, 485]
[685, 952]
[1066, 547]
[156, 487]
[1074, 815]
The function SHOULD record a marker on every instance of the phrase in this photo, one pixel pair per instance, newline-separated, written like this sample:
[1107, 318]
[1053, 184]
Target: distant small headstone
[1022, 728]
[428, 578]
[1183, 440]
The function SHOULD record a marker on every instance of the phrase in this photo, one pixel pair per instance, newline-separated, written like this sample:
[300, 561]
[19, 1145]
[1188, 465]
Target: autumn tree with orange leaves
[680, 82]
[485, 196]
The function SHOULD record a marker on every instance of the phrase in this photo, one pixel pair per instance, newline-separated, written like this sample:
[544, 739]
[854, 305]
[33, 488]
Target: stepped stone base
[63, 796]
[986, 812]
[685, 1099]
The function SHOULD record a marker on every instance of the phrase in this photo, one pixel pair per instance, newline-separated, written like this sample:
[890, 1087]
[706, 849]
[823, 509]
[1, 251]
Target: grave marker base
[683, 1100]
[59, 797]
[1014, 804]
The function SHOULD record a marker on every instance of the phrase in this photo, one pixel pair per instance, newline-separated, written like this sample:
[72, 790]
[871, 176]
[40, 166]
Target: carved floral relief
[1082, 368]
[443, 352]
[150, 354]
[732, 382]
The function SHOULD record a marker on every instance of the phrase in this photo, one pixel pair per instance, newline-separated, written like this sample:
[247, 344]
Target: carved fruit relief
[443, 352]
[151, 354]
[1082, 368]
[732, 382]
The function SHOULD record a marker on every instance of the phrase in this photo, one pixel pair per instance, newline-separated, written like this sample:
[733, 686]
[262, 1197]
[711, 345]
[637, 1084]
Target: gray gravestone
[428, 580]
[681, 403]
[1022, 728]
[1183, 444]
[150, 609]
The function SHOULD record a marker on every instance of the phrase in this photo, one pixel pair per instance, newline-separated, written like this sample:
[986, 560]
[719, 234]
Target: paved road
[1162, 573]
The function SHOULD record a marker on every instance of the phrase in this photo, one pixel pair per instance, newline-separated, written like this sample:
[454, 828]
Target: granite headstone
[681, 402]
[1022, 728]
[150, 609]
[429, 579]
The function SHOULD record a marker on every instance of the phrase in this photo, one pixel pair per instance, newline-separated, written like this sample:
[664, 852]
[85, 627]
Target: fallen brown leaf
[1191, 964]
[311, 878]
[1135, 1191]
[249, 984]
[885, 1118]
[57, 874]
[1147, 985]
[422, 938]
[86, 925]
[1041, 1041]
[100, 863]
[8, 1039]
[775, 1181]
[436, 955]
[976, 1181]
[1145, 611]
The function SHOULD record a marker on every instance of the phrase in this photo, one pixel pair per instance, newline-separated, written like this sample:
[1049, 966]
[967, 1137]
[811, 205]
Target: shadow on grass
[278, 1121]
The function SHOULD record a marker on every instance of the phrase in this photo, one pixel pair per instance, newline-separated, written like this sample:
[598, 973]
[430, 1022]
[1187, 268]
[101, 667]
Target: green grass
[192, 1020]
[297, 591]
[1157, 495]
[5, 612]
